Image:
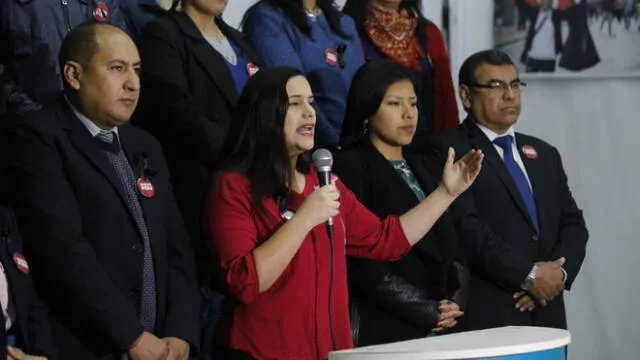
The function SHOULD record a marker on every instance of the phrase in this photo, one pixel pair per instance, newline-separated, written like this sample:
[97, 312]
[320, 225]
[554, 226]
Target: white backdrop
[594, 122]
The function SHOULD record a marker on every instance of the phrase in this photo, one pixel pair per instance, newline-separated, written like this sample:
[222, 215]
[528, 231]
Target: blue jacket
[279, 42]
[31, 34]
[138, 13]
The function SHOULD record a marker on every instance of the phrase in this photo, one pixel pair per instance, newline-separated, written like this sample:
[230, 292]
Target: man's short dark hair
[80, 45]
[470, 66]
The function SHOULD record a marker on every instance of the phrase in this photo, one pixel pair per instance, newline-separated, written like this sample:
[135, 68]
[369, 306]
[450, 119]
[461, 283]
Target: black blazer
[83, 242]
[187, 99]
[396, 301]
[31, 314]
[498, 270]
[557, 32]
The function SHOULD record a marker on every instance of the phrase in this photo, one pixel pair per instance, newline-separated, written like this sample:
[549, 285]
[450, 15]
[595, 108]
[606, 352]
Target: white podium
[507, 343]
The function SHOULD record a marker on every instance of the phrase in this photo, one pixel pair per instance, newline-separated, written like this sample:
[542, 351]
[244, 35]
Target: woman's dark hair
[255, 144]
[357, 9]
[294, 10]
[368, 88]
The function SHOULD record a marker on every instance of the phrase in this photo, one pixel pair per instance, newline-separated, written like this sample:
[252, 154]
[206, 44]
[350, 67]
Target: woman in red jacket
[285, 276]
[396, 30]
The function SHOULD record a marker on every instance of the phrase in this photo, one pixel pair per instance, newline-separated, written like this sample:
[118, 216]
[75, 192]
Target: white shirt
[90, 125]
[543, 46]
[5, 300]
[516, 153]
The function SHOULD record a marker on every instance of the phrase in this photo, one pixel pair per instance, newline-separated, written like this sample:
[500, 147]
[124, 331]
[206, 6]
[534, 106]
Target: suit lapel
[81, 139]
[143, 167]
[536, 173]
[208, 57]
[480, 141]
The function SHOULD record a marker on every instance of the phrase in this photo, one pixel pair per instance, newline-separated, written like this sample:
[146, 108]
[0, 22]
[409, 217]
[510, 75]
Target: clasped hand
[549, 282]
[150, 347]
[449, 312]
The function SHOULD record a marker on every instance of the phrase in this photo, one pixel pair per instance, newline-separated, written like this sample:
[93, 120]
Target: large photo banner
[595, 37]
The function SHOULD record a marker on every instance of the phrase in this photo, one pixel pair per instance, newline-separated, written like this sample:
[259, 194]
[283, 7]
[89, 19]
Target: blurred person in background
[31, 34]
[315, 38]
[396, 30]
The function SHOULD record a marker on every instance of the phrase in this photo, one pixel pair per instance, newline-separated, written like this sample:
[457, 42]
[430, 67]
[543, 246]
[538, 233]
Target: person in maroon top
[286, 279]
[396, 30]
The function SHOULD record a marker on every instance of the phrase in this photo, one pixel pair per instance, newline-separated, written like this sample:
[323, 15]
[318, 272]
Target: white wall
[593, 122]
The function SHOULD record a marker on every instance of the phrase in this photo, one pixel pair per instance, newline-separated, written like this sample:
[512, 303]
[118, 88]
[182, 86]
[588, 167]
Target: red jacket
[444, 93]
[290, 321]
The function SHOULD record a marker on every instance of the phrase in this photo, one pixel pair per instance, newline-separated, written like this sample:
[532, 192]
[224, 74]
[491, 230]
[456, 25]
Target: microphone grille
[322, 159]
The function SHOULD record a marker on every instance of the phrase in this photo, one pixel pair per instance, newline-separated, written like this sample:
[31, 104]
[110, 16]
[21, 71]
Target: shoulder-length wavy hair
[255, 145]
[294, 10]
[368, 88]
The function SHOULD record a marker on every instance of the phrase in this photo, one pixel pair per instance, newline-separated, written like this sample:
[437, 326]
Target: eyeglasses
[501, 86]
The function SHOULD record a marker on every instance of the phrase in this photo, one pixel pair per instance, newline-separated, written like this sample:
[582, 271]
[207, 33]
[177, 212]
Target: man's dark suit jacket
[562, 228]
[31, 315]
[398, 300]
[83, 242]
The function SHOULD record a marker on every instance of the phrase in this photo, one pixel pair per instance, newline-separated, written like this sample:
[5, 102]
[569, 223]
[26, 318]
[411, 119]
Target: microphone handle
[325, 179]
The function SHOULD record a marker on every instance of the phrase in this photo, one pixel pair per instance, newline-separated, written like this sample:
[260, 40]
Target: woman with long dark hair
[266, 216]
[423, 292]
[396, 30]
[315, 38]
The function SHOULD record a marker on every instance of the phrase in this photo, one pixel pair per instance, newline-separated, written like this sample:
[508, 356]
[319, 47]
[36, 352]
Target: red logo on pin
[529, 152]
[101, 12]
[21, 263]
[331, 57]
[145, 187]
[252, 69]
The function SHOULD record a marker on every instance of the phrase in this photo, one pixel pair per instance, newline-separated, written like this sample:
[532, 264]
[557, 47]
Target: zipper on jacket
[65, 7]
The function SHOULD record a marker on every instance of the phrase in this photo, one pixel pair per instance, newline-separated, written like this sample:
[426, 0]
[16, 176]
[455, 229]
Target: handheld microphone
[323, 160]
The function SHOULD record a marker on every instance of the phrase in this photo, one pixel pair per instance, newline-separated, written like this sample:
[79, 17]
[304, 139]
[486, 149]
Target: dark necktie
[120, 164]
[519, 177]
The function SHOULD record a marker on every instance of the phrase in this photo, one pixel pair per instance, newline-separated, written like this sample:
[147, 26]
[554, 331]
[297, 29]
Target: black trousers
[534, 65]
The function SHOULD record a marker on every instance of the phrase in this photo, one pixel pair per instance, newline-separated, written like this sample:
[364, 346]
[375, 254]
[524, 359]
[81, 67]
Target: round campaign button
[252, 69]
[529, 152]
[145, 187]
[21, 263]
[101, 12]
[331, 57]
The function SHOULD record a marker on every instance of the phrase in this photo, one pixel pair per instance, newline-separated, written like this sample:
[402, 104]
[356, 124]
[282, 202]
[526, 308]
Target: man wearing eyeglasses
[536, 236]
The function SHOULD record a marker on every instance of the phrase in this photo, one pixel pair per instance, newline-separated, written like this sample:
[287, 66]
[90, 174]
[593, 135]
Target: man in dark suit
[24, 326]
[523, 196]
[109, 253]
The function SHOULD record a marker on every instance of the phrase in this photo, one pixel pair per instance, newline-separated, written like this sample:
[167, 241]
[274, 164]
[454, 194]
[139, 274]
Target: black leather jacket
[413, 307]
